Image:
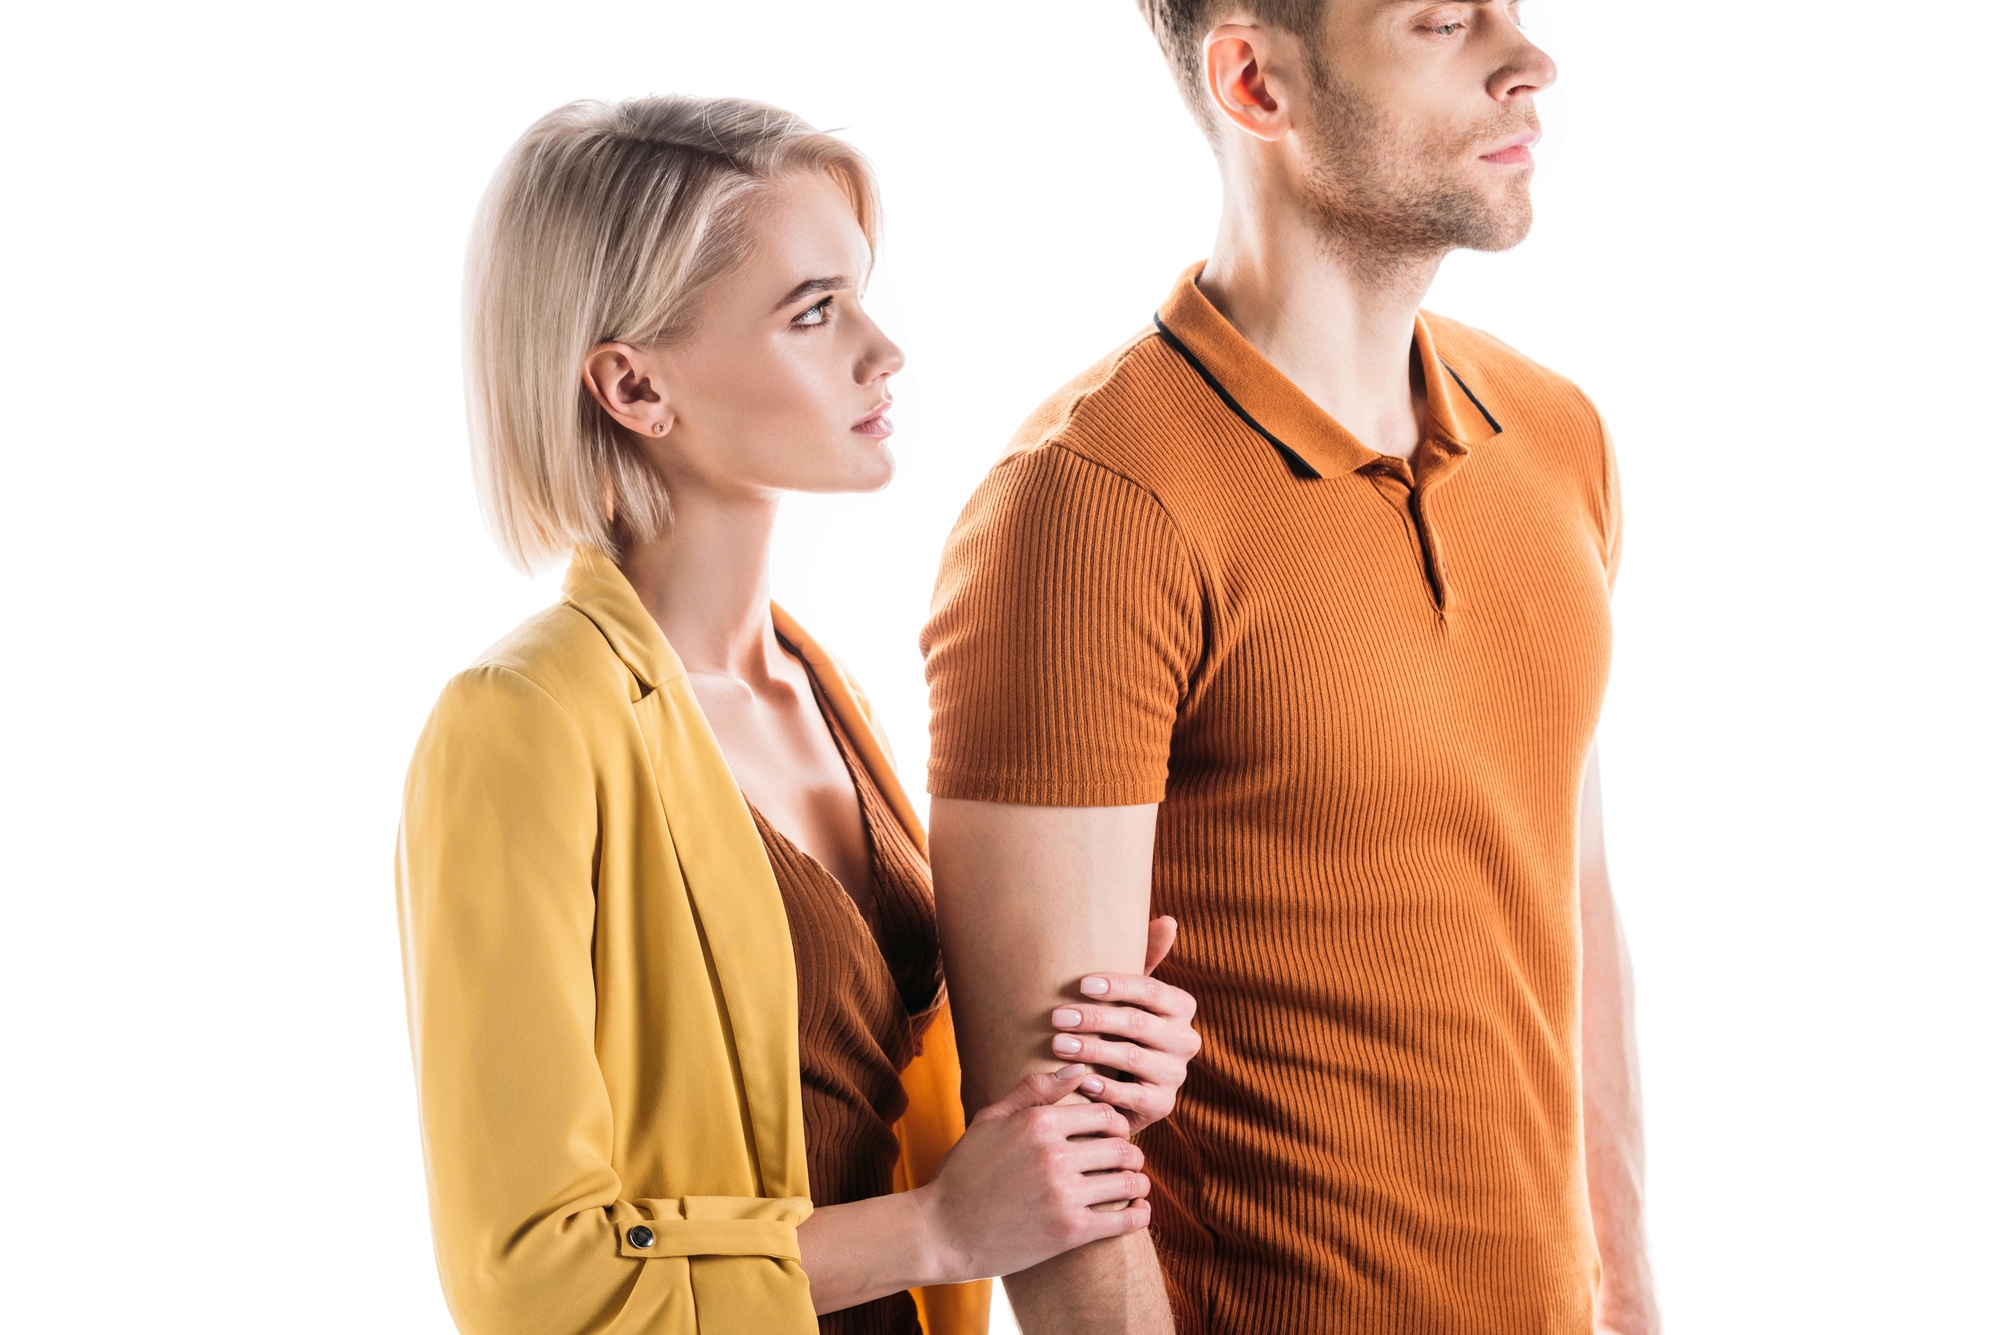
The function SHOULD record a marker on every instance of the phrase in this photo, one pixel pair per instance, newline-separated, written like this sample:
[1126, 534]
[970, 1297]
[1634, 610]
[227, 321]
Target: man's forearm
[1613, 1135]
[1614, 1159]
[1111, 1286]
[1613, 1126]
[1030, 899]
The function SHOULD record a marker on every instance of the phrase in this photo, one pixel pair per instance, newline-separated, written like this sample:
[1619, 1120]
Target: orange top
[1363, 692]
[868, 990]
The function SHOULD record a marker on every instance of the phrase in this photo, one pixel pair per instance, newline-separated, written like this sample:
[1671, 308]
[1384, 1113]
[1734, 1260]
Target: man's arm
[1030, 899]
[1613, 1135]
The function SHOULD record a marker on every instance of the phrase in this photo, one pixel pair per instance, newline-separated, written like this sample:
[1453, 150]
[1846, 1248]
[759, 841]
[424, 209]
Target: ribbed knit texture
[865, 992]
[1364, 706]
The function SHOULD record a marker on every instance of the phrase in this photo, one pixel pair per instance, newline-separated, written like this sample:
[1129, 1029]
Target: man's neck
[1338, 322]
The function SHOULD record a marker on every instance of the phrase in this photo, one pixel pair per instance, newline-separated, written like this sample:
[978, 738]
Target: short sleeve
[1065, 628]
[1614, 515]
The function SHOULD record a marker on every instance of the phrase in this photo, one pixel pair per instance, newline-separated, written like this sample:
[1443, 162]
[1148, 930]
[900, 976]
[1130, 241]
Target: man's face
[1421, 120]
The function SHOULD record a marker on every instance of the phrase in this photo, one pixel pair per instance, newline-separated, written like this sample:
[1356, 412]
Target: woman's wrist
[864, 1250]
[939, 1256]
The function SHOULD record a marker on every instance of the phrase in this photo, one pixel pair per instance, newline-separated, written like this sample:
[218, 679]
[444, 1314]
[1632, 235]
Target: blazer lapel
[728, 876]
[742, 919]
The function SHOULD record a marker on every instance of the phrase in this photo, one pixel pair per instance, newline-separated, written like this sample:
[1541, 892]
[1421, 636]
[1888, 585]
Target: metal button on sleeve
[640, 1236]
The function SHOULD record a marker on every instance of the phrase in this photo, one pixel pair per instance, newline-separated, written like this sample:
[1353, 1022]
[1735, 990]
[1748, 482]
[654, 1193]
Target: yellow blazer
[603, 1004]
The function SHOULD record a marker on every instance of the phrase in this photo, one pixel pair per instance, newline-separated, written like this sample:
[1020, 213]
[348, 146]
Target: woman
[673, 972]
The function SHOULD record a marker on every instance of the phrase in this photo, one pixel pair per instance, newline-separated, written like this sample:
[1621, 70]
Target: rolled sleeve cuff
[712, 1226]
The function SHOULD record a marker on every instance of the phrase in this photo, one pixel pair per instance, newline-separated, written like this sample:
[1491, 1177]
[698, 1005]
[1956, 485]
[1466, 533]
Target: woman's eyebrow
[812, 285]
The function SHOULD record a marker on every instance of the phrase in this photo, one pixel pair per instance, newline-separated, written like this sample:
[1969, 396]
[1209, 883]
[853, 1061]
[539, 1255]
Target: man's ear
[1242, 82]
[626, 383]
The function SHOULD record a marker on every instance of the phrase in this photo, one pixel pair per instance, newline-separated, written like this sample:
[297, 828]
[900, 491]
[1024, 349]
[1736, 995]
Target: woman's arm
[495, 886]
[1015, 1191]
[1020, 1187]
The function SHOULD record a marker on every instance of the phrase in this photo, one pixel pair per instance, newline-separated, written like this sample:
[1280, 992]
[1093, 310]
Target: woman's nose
[889, 359]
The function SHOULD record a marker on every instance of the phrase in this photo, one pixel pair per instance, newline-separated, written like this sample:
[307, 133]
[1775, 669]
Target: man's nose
[1528, 71]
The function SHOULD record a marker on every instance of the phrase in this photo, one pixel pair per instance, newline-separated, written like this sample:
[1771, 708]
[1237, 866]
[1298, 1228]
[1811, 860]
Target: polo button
[640, 1237]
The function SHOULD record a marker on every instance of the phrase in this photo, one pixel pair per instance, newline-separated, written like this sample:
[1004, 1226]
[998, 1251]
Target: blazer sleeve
[495, 887]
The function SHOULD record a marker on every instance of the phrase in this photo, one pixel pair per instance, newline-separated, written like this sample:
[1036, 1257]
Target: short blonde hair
[604, 224]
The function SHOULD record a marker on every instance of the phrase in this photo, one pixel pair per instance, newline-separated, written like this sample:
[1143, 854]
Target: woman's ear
[627, 383]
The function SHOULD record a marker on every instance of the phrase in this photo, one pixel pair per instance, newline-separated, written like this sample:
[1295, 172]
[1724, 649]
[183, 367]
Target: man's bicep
[1065, 634]
[1030, 899]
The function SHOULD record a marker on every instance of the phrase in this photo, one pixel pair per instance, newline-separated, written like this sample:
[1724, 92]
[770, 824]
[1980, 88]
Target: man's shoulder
[1521, 393]
[1096, 461]
[1113, 415]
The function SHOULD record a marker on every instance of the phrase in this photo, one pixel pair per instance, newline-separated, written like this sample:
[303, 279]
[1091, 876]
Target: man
[1290, 620]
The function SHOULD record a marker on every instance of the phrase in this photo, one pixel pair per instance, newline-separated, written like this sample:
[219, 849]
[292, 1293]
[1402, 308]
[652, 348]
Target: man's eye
[816, 313]
[1446, 29]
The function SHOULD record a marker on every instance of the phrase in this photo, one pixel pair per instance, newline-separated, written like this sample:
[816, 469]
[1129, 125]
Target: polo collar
[1312, 443]
[596, 587]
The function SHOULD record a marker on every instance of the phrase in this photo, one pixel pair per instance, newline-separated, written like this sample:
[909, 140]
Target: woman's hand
[1147, 1032]
[1033, 1177]
[1019, 1187]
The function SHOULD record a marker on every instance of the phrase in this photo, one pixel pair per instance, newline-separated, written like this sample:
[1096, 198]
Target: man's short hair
[1182, 25]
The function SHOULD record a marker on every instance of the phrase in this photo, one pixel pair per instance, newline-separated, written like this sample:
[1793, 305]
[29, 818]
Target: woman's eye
[816, 313]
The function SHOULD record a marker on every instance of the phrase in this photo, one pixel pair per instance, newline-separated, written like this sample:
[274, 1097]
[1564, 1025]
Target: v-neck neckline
[870, 921]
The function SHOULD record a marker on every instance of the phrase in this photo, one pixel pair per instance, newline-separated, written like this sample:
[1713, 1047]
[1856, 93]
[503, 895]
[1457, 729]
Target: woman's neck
[707, 582]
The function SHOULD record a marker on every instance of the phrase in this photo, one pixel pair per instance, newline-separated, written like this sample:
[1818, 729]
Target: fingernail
[1068, 1046]
[1068, 1018]
[1092, 1086]
[1094, 987]
[1071, 1071]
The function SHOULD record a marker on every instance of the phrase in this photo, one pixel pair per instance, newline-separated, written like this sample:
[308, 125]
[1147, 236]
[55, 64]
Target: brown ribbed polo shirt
[1363, 693]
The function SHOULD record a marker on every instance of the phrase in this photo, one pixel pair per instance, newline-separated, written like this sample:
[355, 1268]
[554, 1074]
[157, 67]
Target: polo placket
[1410, 491]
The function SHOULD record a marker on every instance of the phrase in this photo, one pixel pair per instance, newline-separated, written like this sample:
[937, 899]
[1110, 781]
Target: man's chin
[1513, 230]
[1506, 224]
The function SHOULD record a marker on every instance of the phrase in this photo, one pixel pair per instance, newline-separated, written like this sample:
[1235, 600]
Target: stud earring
[659, 428]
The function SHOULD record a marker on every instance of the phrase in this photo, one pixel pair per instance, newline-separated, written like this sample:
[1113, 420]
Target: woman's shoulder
[558, 654]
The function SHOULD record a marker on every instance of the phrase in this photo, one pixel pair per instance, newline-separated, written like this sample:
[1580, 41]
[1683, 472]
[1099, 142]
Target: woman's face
[783, 384]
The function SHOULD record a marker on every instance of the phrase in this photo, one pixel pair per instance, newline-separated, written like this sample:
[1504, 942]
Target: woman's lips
[875, 424]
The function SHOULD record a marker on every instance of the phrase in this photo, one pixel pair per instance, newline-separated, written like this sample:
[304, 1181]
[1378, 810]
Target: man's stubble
[1389, 198]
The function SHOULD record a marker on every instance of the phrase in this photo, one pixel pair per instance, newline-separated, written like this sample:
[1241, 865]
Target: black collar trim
[1293, 459]
[1491, 420]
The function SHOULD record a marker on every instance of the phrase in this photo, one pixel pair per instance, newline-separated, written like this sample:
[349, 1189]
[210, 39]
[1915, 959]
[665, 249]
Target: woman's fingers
[1127, 991]
[1067, 1121]
[1104, 1188]
[1038, 1090]
[1133, 1025]
[1095, 1224]
[1160, 934]
[1102, 1155]
[1166, 1031]
[1145, 1104]
[1142, 1063]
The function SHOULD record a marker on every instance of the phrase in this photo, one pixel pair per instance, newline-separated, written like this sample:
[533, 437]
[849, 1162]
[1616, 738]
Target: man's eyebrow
[812, 285]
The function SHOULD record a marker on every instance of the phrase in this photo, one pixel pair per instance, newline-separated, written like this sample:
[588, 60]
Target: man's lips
[1516, 152]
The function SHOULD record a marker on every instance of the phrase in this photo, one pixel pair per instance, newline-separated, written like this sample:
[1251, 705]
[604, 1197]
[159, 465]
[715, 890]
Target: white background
[242, 554]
